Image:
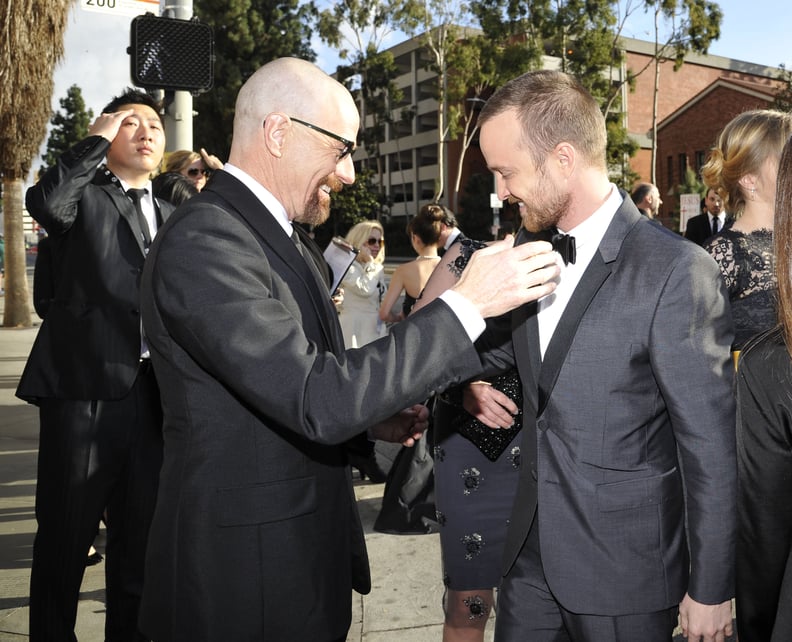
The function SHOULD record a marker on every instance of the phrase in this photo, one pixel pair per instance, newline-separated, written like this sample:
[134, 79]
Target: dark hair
[427, 226]
[173, 187]
[641, 192]
[133, 97]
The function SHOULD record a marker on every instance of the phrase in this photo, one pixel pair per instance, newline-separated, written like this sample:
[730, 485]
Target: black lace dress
[746, 263]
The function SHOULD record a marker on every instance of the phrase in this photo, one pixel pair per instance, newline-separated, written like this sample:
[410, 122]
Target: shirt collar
[264, 195]
[591, 230]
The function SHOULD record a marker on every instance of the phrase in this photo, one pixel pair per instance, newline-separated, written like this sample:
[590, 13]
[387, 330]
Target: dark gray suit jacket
[633, 397]
[256, 533]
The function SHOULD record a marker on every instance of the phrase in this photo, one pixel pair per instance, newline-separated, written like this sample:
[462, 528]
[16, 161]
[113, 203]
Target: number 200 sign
[121, 7]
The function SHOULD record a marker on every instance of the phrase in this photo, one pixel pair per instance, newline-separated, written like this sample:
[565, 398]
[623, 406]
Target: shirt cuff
[466, 312]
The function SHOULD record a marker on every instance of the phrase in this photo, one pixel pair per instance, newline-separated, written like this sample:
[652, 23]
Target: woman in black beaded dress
[742, 168]
[764, 454]
[475, 470]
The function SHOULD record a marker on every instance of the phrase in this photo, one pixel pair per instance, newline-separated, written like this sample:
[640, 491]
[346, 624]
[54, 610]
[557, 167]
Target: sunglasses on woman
[373, 241]
[193, 172]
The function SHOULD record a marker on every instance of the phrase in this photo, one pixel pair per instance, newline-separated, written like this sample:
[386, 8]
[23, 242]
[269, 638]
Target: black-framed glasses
[349, 146]
[194, 172]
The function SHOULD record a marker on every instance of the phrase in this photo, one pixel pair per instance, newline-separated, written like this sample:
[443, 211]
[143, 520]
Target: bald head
[290, 86]
[294, 130]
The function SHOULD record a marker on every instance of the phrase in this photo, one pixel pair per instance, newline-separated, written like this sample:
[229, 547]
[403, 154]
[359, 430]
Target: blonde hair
[743, 146]
[180, 160]
[359, 235]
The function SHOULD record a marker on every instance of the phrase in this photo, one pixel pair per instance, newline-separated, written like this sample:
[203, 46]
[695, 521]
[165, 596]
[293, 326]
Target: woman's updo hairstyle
[743, 146]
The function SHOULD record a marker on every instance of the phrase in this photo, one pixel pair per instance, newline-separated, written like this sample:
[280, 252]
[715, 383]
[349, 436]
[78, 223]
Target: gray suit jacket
[628, 418]
[256, 534]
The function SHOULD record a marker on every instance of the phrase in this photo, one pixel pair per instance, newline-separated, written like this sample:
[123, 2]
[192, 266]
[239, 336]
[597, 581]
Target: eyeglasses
[373, 241]
[349, 146]
[193, 172]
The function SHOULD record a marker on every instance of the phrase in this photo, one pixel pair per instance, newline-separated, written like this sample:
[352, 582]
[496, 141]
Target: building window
[402, 193]
[427, 190]
[427, 156]
[682, 167]
[670, 169]
[701, 158]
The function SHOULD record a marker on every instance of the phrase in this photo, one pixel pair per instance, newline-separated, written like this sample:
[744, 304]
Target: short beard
[548, 208]
[317, 211]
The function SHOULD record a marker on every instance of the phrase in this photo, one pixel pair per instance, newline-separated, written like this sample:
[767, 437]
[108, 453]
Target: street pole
[179, 113]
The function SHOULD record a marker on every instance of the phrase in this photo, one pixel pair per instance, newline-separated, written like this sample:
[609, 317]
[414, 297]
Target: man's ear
[565, 156]
[275, 128]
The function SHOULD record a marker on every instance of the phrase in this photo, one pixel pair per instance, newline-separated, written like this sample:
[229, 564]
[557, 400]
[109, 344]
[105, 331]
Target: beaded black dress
[746, 264]
[473, 494]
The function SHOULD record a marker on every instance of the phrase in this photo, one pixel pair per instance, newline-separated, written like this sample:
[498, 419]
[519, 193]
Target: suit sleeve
[54, 200]
[211, 291]
[690, 350]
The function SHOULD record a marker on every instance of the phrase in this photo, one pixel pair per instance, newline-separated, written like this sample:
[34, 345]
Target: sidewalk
[404, 605]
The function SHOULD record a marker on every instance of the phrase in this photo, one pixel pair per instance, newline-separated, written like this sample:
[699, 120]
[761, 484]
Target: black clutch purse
[493, 441]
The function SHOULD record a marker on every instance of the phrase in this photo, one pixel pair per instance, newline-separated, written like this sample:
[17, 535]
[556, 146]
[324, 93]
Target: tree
[30, 46]
[248, 34]
[359, 29]
[690, 25]
[440, 25]
[783, 97]
[69, 126]
[583, 36]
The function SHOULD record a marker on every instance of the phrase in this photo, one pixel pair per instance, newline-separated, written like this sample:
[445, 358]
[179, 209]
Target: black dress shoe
[94, 558]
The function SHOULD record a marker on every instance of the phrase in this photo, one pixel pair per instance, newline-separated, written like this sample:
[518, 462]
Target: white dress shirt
[588, 236]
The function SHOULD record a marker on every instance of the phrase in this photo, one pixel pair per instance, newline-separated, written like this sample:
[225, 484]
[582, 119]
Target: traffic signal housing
[171, 54]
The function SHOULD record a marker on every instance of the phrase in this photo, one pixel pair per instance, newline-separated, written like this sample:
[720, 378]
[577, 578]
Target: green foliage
[69, 126]
[694, 25]
[692, 184]
[783, 98]
[248, 34]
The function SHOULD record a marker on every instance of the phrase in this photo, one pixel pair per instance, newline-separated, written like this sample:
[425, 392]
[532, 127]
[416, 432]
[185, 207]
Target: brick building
[693, 104]
[684, 137]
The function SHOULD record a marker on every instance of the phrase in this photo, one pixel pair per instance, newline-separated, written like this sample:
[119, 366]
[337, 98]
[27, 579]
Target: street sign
[121, 7]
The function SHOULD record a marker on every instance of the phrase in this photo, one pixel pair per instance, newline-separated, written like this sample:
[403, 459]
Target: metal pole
[179, 114]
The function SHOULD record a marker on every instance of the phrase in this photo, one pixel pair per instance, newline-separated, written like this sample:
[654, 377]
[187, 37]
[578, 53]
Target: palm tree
[31, 43]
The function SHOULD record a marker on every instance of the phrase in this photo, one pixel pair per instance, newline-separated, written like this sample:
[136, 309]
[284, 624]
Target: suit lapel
[270, 234]
[597, 272]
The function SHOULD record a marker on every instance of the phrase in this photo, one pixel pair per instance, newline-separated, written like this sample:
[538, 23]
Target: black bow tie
[565, 246]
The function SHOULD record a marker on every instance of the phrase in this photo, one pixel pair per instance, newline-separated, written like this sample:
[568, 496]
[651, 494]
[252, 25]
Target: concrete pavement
[405, 602]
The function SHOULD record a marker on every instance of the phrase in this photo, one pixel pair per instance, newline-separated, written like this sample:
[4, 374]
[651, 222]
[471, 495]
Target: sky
[96, 43]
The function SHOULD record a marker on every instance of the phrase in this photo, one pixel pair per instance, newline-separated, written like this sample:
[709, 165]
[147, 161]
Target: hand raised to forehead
[107, 125]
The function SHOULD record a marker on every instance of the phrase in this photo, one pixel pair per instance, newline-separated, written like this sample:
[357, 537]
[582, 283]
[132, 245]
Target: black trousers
[94, 456]
[527, 611]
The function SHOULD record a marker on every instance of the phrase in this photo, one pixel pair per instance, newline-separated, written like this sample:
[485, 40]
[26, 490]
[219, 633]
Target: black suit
[256, 535]
[100, 439]
[699, 228]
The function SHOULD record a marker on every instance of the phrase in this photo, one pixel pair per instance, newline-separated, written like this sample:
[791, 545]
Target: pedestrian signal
[171, 54]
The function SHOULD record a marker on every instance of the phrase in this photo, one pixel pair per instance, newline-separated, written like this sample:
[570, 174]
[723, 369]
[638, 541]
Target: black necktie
[565, 246]
[714, 225]
[135, 195]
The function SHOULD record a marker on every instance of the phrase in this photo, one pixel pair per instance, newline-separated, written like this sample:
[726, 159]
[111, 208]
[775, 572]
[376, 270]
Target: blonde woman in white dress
[363, 286]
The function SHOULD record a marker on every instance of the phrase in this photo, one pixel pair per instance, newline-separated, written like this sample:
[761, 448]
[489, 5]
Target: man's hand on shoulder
[705, 622]
[405, 427]
[501, 277]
